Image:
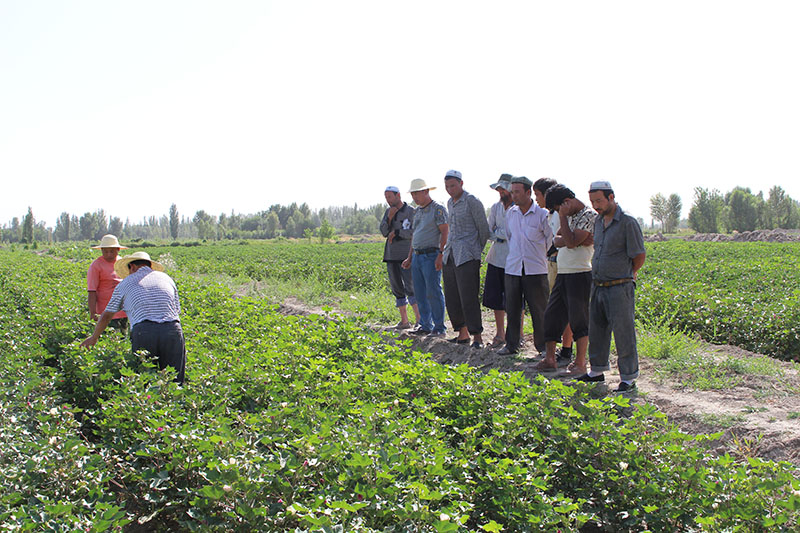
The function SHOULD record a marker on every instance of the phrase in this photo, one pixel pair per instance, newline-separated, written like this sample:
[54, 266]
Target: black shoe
[476, 344]
[626, 387]
[419, 331]
[456, 340]
[563, 361]
[586, 378]
[505, 350]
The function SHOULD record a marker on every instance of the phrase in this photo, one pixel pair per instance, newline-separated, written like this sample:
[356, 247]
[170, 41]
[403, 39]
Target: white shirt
[529, 237]
[578, 259]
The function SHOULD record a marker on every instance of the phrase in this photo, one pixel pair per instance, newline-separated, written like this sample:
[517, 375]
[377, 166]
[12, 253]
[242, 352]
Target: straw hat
[419, 185]
[109, 241]
[121, 266]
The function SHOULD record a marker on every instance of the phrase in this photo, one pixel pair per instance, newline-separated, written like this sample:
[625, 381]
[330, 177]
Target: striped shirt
[468, 229]
[146, 295]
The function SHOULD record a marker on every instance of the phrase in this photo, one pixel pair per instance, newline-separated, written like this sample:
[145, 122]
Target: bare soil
[760, 417]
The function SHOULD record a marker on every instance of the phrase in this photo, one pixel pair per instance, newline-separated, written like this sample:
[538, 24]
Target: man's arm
[570, 238]
[444, 230]
[102, 324]
[385, 229]
[479, 216]
[638, 262]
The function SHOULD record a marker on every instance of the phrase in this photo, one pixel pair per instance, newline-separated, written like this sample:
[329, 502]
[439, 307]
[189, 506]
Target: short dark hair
[524, 184]
[556, 195]
[606, 192]
[140, 262]
[542, 184]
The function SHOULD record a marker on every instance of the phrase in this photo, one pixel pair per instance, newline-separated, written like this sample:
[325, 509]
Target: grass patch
[366, 305]
[753, 366]
[793, 415]
[680, 357]
[720, 421]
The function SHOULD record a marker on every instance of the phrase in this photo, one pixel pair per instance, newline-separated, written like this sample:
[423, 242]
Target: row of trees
[737, 210]
[288, 221]
[741, 210]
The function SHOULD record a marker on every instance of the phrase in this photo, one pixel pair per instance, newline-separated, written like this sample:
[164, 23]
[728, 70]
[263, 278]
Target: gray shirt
[468, 230]
[402, 225]
[615, 246]
[426, 226]
[497, 234]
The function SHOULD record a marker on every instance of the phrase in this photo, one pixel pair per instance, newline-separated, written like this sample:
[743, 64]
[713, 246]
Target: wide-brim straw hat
[419, 185]
[121, 266]
[109, 241]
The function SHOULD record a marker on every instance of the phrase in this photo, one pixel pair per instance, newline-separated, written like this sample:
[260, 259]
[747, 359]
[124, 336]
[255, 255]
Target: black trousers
[462, 287]
[535, 290]
[164, 341]
[568, 304]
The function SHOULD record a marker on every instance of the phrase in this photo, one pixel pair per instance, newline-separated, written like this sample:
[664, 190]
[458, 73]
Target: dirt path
[760, 417]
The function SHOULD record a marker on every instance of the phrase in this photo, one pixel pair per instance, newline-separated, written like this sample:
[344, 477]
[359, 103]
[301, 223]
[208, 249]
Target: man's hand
[406, 264]
[391, 236]
[89, 342]
[392, 212]
[439, 261]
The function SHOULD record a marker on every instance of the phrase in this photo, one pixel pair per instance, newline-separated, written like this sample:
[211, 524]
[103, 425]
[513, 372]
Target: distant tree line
[741, 210]
[292, 221]
[737, 210]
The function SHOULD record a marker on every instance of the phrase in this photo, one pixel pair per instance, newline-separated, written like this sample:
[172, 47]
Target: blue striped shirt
[146, 295]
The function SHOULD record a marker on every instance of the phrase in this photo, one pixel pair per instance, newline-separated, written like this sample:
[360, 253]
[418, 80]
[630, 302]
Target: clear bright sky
[131, 106]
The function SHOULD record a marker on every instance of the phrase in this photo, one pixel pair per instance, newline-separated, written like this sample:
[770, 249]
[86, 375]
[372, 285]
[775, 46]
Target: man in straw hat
[101, 280]
[150, 298]
[425, 259]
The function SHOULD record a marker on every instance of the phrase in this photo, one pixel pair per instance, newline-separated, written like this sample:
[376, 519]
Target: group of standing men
[573, 266]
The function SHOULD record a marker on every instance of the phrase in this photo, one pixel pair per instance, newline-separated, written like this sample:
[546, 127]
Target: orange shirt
[102, 279]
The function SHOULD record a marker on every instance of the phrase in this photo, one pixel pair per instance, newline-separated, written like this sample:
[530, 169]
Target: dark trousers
[612, 310]
[535, 290]
[568, 304]
[462, 286]
[164, 341]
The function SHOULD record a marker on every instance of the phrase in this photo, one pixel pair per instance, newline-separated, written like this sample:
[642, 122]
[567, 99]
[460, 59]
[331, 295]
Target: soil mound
[762, 235]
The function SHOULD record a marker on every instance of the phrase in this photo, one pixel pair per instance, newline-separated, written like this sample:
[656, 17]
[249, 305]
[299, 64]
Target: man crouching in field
[150, 299]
